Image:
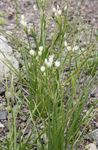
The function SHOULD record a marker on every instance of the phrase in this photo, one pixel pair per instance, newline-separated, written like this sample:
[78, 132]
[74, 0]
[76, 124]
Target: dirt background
[85, 10]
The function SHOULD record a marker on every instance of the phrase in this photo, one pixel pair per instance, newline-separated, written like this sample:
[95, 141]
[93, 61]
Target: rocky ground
[87, 10]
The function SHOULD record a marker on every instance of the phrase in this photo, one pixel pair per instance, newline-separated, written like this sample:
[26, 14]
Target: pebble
[1, 125]
[94, 135]
[3, 115]
[91, 146]
[6, 53]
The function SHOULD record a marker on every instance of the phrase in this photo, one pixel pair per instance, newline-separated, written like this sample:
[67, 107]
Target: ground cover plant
[50, 87]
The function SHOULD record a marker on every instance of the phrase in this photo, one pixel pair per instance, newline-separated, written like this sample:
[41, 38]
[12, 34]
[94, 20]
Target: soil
[85, 9]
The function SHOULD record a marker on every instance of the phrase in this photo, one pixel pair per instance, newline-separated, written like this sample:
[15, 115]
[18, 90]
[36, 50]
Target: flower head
[23, 22]
[54, 9]
[32, 52]
[35, 7]
[51, 57]
[75, 48]
[69, 48]
[65, 44]
[57, 63]
[59, 12]
[49, 61]
[65, 8]
[42, 68]
[49, 64]
[41, 48]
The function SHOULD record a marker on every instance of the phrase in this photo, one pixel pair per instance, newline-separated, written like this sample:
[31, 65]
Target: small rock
[1, 125]
[96, 124]
[94, 93]
[7, 57]
[2, 89]
[3, 115]
[91, 146]
[94, 135]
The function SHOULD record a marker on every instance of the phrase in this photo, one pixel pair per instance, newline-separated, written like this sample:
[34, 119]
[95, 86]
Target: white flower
[32, 52]
[35, 7]
[54, 9]
[75, 48]
[57, 63]
[69, 48]
[65, 8]
[65, 43]
[23, 22]
[39, 53]
[51, 57]
[59, 12]
[41, 48]
[58, 7]
[48, 63]
[42, 68]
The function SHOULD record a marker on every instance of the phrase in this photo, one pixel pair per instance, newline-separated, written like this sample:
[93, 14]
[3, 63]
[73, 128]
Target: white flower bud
[69, 48]
[54, 9]
[59, 12]
[23, 22]
[41, 48]
[32, 52]
[57, 63]
[35, 7]
[48, 63]
[65, 44]
[42, 68]
[75, 48]
[51, 57]
[65, 8]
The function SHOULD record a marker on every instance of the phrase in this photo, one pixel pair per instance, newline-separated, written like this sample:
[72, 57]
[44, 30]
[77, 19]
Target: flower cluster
[33, 53]
[40, 50]
[23, 21]
[69, 48]
[57, 11]
[48, 62]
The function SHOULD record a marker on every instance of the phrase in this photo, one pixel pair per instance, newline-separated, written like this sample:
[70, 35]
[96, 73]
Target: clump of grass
[50, 86]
